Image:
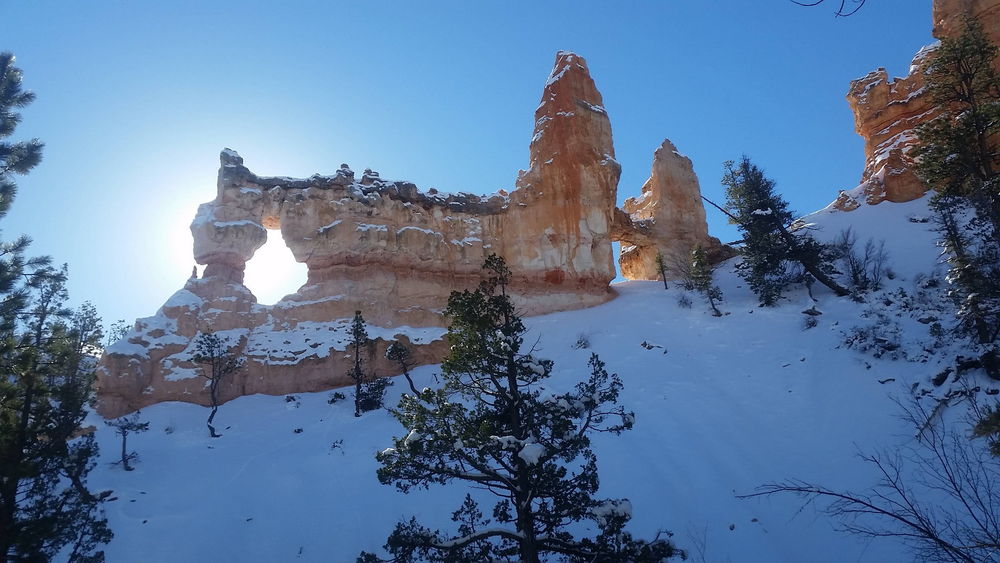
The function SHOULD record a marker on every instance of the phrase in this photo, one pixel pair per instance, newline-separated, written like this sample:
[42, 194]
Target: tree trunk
[124, 455]
[711, 303]
[811, 266]
[211, 417]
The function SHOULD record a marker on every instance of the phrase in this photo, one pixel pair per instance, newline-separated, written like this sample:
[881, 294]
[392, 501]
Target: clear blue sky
[135, 100]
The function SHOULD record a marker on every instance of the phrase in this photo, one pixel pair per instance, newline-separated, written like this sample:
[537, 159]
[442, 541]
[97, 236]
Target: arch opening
[273, 273]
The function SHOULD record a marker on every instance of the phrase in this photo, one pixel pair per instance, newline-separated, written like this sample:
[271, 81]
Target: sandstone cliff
[395, 253]
[887, 112]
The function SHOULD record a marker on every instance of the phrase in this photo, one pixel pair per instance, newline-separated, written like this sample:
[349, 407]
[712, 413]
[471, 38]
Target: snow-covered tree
[491, 427]
[220, 362]
[958, 156]
[769, 247]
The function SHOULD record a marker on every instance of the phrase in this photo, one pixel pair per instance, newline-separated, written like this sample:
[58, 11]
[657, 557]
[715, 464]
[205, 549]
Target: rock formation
[887, 112]
[395, 253]
[668, 209]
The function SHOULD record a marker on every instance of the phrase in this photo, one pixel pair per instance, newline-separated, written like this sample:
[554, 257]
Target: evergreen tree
[46, 371]
[400, 354]
[124, 426]
[957, 156]
[957, 153]
[702, 278]
[220, 362]
[359, 340]
[661, 267]
[491, 427]
[769, 248]
[369, 390]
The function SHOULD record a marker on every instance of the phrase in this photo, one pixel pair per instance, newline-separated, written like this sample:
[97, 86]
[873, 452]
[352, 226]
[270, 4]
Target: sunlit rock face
[668, 218]
[395, 253]
[887, 111]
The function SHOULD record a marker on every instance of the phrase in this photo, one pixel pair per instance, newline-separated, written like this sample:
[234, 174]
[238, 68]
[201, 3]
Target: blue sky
[136, 99]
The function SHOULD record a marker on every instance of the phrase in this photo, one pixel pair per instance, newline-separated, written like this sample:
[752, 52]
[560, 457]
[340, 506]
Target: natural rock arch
[395, 253]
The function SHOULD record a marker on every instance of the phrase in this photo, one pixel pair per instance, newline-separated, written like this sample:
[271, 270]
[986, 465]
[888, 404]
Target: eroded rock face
[667, 217]
[887, 112]
[395, 253]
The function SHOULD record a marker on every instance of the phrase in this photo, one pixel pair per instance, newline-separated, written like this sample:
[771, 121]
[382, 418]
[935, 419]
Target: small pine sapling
[369, 391]
[661, 267]
[219, 362]
[702, 278]
[359, 340]
[399, 353]
[124, 426]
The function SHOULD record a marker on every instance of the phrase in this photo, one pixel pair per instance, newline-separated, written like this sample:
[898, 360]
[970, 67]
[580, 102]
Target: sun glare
[273, 273]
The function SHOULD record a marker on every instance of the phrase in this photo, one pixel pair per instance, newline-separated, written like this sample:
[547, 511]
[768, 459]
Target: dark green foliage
[490, 427]
[973, 255]
[770, 252]
[701, 278]
[661, 267]
[45, 507]
[369, 391]
[958, 158]
[397, 352]
[15, 157]
[956, 154]
[220, 362]
[124, 426]
[46, 370]
[988, 426]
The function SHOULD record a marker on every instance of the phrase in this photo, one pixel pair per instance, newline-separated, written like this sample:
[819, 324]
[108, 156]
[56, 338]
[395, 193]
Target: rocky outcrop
[395, 253]
[887, 112]
[668, 217]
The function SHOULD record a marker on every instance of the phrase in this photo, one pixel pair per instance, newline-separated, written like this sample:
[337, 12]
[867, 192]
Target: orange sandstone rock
[395, 253]
[887, 112]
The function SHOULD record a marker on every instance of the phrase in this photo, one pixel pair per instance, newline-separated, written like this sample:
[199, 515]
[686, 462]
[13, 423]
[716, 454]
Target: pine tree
[46, 371]
[957, 153]
[701, 278]
[124, 426]
[491, 427]
[769, 247]
[359, 340]
[661, 267]
[957, 156]
[400, 354]
[369, 390]
[220, 362]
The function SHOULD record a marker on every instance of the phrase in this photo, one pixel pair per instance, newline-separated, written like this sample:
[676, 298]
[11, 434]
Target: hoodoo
[395, 253]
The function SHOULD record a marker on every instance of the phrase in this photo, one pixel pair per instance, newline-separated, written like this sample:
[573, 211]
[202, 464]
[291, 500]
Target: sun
[273, 273]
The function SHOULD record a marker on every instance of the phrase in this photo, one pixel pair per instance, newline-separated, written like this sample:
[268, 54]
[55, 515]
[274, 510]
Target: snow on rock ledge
[395, 253]
[887, 112]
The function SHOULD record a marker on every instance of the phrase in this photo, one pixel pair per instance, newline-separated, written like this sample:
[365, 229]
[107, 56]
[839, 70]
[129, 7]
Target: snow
[531, 452]
[329, 226]
[741, 400]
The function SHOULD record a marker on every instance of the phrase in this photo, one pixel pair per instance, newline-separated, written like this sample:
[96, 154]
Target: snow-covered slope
[722, 405]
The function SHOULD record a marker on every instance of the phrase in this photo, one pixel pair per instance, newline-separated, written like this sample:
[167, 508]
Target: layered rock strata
[887, 112]
[395, 253]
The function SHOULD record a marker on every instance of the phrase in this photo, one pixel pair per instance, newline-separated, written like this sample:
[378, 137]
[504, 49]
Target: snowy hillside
[722, 405]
